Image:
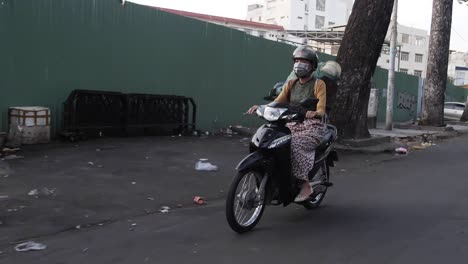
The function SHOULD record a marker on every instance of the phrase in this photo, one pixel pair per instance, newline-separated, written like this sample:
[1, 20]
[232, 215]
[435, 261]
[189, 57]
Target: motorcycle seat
[329, 135]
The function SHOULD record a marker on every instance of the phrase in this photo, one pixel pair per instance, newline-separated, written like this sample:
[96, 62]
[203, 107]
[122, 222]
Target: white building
[458, 68]
[412, 51]
[301, 14]
[263, 30]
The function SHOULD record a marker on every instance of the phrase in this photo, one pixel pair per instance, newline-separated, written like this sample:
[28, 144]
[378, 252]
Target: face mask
[301, 69]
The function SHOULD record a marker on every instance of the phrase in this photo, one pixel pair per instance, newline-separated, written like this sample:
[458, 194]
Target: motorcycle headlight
[273, 114]
[260, 111]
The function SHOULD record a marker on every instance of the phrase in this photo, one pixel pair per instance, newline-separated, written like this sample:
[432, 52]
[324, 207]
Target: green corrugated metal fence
[455, 93]
[51, 47]
[405, 98]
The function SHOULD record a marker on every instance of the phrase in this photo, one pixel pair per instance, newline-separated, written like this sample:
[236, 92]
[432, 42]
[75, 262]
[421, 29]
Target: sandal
[301, 198]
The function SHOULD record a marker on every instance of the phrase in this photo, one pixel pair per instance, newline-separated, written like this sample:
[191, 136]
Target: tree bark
[434, 95]
[358, 54]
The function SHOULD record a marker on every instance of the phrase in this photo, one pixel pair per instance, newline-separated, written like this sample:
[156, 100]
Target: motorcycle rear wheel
[319, 191]
[244, 203]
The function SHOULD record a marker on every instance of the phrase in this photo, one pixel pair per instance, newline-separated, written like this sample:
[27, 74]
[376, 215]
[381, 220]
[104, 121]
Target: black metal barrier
[97, 113]
[159, 114]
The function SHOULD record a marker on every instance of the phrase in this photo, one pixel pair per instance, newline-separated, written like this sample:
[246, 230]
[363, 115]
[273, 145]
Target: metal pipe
[391, 72]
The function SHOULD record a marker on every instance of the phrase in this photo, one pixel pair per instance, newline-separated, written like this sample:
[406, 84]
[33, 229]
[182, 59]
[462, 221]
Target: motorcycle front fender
[254, 159]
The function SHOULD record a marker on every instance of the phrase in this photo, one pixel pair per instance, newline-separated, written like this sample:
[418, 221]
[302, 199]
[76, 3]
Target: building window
[306, 8]
[260, 18]
[418, 58]
[417, 73]
[320, 5]
[299, 17]
[405, 56]
[319, 21]
[404, 70]
[459, 78]
[331, 23]
[420, 41]
[405, 38]
[282, 17]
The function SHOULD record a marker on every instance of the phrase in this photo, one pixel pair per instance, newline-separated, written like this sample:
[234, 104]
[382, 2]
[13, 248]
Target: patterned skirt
[306, 137]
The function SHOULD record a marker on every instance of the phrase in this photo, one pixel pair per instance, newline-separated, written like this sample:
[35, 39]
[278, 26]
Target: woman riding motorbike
[306, 136]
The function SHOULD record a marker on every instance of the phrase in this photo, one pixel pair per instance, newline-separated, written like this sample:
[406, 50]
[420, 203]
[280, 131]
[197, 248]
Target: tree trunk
[358, 54]
[437, 64]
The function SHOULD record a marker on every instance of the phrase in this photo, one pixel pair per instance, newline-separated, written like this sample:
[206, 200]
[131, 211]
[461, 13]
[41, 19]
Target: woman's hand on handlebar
[310, 114]
[252, 110]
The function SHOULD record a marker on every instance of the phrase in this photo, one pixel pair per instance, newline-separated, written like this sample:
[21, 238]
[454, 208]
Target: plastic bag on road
[204, 165]
[401, 150]
[30, 246]
[43, 191]
[165, 209]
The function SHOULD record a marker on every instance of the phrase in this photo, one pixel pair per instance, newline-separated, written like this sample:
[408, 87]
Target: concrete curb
[388, 147]
[426, 128]
[377, 144]
[457, 123]
[373, 145]
[366, 142]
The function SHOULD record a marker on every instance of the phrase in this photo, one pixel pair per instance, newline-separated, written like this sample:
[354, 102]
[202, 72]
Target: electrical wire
[460, 35]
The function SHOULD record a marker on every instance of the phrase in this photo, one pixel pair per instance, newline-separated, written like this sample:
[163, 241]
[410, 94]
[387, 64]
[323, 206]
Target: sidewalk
[412, 131]
[407, 136]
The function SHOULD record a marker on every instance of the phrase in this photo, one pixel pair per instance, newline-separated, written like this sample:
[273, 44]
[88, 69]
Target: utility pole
[391, 71]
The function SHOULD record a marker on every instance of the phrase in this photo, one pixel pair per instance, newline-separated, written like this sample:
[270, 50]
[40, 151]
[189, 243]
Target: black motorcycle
[264, 177]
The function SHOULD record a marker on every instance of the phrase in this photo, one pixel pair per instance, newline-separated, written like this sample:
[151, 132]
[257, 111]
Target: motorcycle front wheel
[245, 201]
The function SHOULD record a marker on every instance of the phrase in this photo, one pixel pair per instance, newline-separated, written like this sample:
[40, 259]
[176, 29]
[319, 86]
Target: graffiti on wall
[407, 102]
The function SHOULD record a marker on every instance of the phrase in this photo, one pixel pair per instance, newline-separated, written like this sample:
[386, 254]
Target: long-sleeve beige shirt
[320, 92]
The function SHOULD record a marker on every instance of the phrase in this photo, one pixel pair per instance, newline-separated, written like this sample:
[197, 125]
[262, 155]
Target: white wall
[461, 76]
[255, 14]
[458, 59]
[339, 12]
[292, 14]
[277, 12]
[412, 47]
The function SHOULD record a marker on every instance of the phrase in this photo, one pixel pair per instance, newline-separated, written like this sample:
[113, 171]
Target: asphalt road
[407, 210]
